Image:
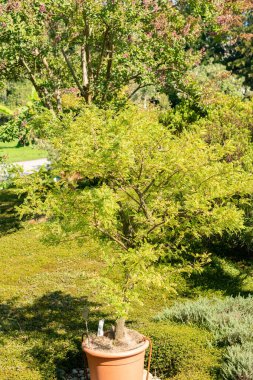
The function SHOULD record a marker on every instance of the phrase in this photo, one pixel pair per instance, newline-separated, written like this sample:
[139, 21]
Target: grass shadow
[50, 329]
[225, 276]
[9, 219]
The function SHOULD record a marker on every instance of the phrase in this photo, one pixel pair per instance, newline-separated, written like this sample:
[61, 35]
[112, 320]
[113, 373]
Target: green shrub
[181, 352]
[238, 362]
[230, 320]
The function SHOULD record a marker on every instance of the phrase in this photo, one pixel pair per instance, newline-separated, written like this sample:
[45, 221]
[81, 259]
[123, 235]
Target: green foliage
[28, 125]
[216, 78]
[181, 352]
[16, 94]
[121, 43]
[153, 195]
[214, 94]
[238, 57]
[229, 123]
[230, 320]
[238, 362]
[5, 110]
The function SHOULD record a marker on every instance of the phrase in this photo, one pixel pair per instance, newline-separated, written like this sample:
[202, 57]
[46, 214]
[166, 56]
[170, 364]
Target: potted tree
[119, 353]
[109, 364]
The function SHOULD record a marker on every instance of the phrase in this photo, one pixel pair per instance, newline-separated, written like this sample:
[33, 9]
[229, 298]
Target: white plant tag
[101, 327]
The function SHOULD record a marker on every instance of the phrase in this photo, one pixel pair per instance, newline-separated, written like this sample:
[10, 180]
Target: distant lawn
[15, 154]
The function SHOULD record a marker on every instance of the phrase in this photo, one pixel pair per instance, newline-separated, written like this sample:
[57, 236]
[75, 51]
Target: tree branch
[102, 53]
[155, 226]
[73, 72]
[52, 77]
[85, 73]
[114, 238]
[43, 94]
[86, 61]
[130, 196]
[143, 205]
[109, 62]
[106, 233]
[138, 88]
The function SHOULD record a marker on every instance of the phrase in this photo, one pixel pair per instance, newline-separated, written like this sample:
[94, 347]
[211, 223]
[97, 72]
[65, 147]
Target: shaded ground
[9, 220]
[52, 323]
[225, 277]
[44, 289]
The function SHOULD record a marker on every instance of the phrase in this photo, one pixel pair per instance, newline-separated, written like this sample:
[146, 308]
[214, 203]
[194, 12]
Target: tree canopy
[106, 50]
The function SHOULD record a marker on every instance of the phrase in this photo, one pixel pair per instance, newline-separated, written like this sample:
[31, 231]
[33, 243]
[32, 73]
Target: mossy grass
[44, 290]
[182, 352]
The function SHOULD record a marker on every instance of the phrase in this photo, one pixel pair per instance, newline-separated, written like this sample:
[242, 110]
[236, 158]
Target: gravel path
[27, 166]
[34, 165]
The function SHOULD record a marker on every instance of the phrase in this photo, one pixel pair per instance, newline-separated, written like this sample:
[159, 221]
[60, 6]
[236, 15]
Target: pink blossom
[57, 39]
[175, 35]
[149, 34]
[42, 8]
[186, 29]
[13, 6]
[71, 90]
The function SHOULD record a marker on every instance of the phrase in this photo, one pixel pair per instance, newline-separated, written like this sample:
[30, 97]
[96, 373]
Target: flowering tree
[99, 48]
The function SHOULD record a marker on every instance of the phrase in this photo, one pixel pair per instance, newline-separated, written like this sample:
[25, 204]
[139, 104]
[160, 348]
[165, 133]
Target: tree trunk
[42, 92]
[120, 329]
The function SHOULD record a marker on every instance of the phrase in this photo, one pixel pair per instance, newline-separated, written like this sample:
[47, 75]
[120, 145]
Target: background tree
[101, 47]
[239, 55]
[227, 35]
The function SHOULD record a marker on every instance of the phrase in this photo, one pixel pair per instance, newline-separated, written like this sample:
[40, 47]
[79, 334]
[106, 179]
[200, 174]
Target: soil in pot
[131, 340]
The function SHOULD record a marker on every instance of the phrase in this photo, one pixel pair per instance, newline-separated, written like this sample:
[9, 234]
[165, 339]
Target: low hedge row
[181, 352]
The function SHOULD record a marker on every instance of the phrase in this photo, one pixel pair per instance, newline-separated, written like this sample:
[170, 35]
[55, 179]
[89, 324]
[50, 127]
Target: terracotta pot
[126, 365]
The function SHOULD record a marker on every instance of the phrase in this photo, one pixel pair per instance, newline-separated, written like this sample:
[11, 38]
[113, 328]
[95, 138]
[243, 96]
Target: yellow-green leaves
[128, 181]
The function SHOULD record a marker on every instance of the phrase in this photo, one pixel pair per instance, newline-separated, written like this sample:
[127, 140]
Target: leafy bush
[238, 362]
[230, 320]
[152, 195]
[181, 352]
[216, 103]
[142, 185]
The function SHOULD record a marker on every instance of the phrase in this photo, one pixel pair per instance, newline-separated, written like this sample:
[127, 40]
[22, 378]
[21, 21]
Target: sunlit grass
[16, 154]
[44, 289]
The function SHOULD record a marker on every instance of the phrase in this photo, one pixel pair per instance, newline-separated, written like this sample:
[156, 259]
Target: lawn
[15, 154]
[44, 289]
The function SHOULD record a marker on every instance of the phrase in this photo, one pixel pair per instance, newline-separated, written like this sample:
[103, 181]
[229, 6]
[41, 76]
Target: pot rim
[115, 355]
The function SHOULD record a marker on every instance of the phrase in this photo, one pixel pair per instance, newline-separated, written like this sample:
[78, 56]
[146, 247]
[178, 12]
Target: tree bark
[120, 329]
[86, 62]
[54, 79]
[72, 71]
[85, 75]
[41, 92]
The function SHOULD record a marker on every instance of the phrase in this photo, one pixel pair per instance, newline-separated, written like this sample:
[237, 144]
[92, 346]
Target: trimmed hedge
[230, 321]
[181, 352]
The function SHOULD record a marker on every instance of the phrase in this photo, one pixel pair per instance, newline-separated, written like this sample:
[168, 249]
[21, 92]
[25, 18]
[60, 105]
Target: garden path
[34, 165]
